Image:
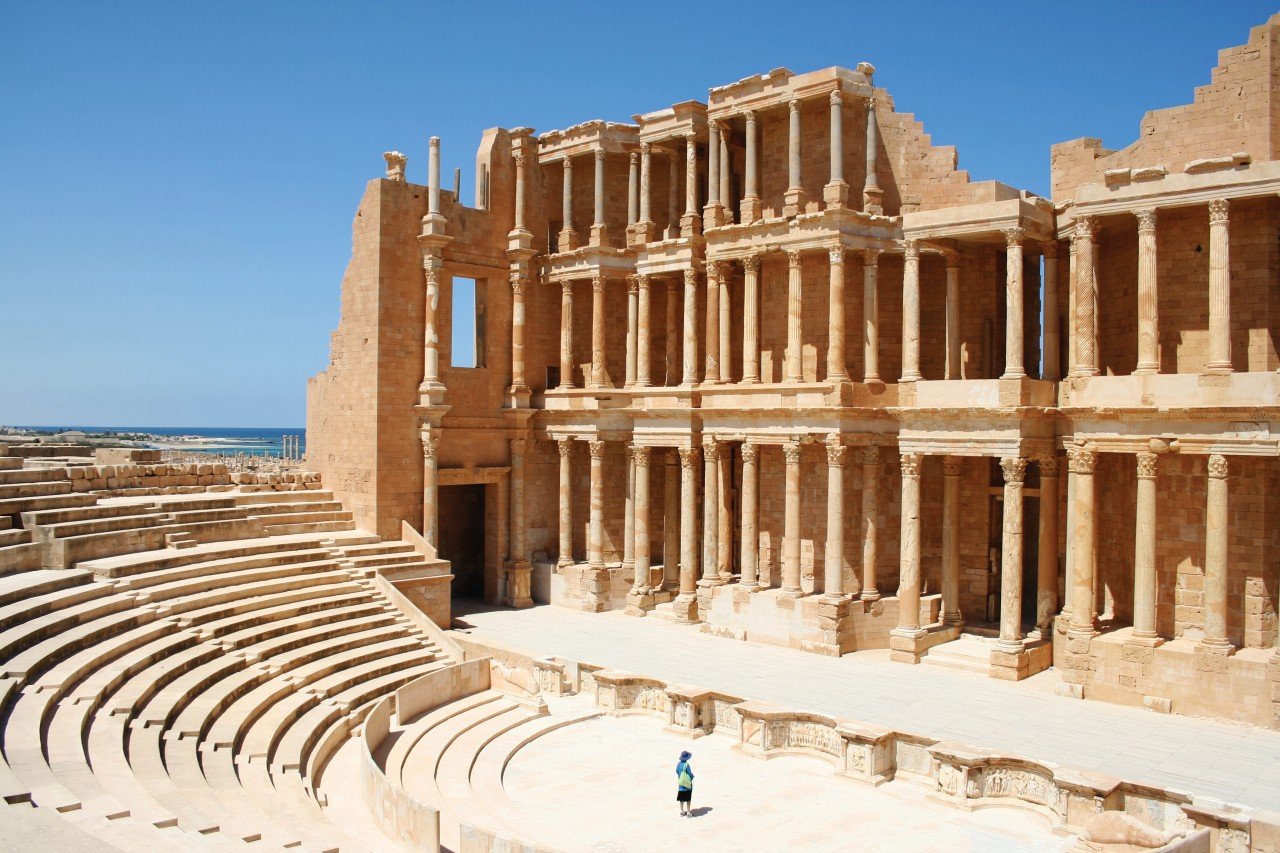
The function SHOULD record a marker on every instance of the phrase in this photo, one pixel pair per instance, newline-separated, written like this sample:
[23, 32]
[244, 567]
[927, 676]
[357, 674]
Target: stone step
[83, 513]
[14, 537]
[41, 488]
[10, 476]
[968, 653]
[14, 506]
[10, 463]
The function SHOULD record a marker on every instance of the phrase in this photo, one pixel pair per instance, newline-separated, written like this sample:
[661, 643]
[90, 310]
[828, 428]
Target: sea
[259, 441]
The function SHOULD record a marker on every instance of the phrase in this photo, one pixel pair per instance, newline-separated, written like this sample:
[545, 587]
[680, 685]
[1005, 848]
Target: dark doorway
[462, 538]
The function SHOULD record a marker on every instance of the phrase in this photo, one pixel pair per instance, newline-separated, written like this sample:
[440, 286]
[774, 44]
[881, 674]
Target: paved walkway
[1229, 761]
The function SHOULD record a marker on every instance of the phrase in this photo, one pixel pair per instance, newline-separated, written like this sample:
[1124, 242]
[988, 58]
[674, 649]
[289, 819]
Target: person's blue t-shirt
[684, 775]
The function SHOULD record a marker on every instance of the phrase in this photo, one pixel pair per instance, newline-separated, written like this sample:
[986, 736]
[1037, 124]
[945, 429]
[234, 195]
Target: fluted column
[1217, 530]
[791, 521]
[836, 192]
[1148, 302]
[793, 198]
[710, 212]
[751, 319]
[595, 530]
[430, 486]
[1085, 344]
[690, 352]
[1047, 547]
[833, 574]
[517, 569]
[519, 389]
[836, 371]
[952, 367]
[870, 317]
[909, 560]
[712, 347]
[1013, 360]
[1051, 368]
[568, 239]
[642, 331]
[910, 311]
[633, 330]
[686, 604]
[795, 313]
[598, 228]
[565, 446]
[672, 337]
[751, 197]
[1219, 288]
[750, 496]
[691, 222]
[633, 189]
[870, 459]
[566, 334]
[640, 506]
[671, 521]
[431, 384]
[597, 331]
[951, 470]
[1144, 550]
[1080, 462]
[710, 509]
[1015, 472]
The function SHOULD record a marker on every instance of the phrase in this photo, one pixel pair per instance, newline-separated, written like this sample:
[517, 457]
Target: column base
[793, 202]
[872, 201]
[751, 209]
[713, 216]
[1149, 641]
[431, 393]
[690, 226]
[952, 620]
[685, 608]
[520, 240]
[566, 240]
[640, 600]
[836, 195]
[594, 589]
[869, 595]
[907, 645]
[519, 577]
[643, 232]
[599, 234]
[518, 396]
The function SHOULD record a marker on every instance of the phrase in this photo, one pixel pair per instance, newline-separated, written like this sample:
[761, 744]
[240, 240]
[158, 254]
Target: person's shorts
[684, 796]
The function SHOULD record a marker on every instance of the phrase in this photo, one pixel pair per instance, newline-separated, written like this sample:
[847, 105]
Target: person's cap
[686, 755]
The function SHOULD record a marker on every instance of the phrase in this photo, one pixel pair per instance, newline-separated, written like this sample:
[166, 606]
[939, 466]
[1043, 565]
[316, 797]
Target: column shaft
[871, 192]
[726, 193]
[713, 323]
[629, 515]
[633, 189]
[595, 532]
[833, 575]
[910, 312]
[598, 198]
[633, 329]
[1047, 547]
[566, 334]
[517, 332]
[726, 329]
[795, 313]
[870, 539]
[642, 332]
[713, 163]
[952, 367]
[691, 175]
[751, 197]
[1015, 471]
[597, 331]
[518, 225]
[724, 539]
[646, 167]
[1086, 334]
[1144, 556]
[837, 137]
[431, 339]
[672, 336]
[1148, 301]
[1081, 461]
[690, 327]
[951, 470]
[1217, 530]
[793, 146]
[1013, 360]
[750, 542]
[909, 572]
[836, 371]
[568, 237]
[688, 521]
[640, 462]
[517, 551]
[710, 510]
[433, 176]
[870, 317]
[671, 522]
[791, 521]
[1219, 288]
[751, 319]
[430, 488]
[1051, 356]
[565, 447]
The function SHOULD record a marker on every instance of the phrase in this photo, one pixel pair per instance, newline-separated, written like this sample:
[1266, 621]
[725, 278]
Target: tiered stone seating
[190, 694]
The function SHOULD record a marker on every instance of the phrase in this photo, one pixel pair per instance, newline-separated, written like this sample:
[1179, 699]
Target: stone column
[711, 213]
[686, 603]
[1217, 529]
[671, 521]
[724, 539]
[870, 318]
[433, 176]
[517, 569]
[1219, 289]
[1015, 472]
[750, 541]
[836, 192]
[726, 197]
[751, 200]
[795, 313]
[909, 572]
[1013, 362]
[712, 373]
[673, 192]
[870, 459]
[690, 359]
[952, 466]
[726, 326]
[430, 486]
[597, 331]
[518, 226]
[642, 332]
[431, 386]
[1080, 462]
[1051, 369]
[565, 446]
[1148, 303]
[751, 319]
[519, 390]
[710, 510]
[910, 311]
[672, 337]
[598, 229]
[871, 192]
[633, 189]
[833, 576]
[1085, 344]
[952, 368]
[640, 463]
[629, 516]
[644, 227]
[1144, 551]
[793, 198]
[595, 532]
[791, 521]
[691, 222]
[566, 334]
[633, 331]
[836, 371]
[568, 238]
[1047, 547]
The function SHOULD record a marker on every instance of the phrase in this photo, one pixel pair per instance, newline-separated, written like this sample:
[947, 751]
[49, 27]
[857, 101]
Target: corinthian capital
[911, 466]
[1015, 469]
[596, 448]
[1146, 219]
[1217, 466]
[1218, 211]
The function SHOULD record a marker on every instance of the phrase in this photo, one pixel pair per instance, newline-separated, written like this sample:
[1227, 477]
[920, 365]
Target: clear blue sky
[177, 180]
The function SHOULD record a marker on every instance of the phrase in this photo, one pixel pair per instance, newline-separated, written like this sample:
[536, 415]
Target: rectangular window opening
[467, 327]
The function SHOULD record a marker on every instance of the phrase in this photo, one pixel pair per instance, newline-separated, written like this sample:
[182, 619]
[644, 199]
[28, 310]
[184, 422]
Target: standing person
[684, 784]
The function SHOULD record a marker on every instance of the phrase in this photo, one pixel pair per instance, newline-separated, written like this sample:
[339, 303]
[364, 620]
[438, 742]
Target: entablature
[675, 122]
[587, 138]
[781, 85]
[818, 231]
[588, 262]
[985, 222]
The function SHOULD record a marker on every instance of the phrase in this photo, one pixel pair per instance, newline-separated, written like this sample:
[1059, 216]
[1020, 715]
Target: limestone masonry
[773, 364]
